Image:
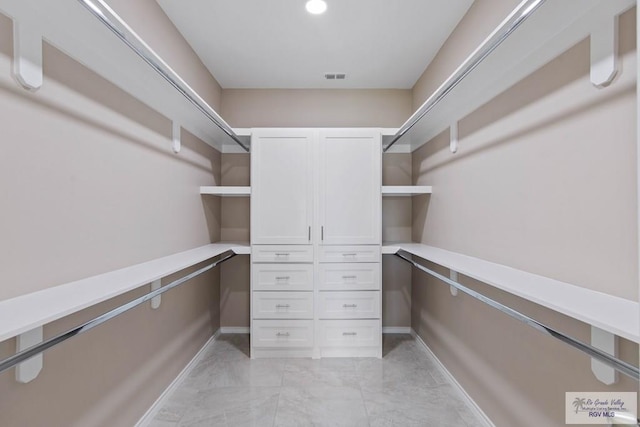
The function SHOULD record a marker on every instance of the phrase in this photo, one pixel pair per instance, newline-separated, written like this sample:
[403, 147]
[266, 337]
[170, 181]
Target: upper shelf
[91, 33]
[406, 190]
[613, 314]
[533, 34]
[226, 191]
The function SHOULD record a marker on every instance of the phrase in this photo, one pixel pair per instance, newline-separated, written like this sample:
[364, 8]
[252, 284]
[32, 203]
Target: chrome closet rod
[25, 354]
[615, 363]
[525, 10]
[109, 18]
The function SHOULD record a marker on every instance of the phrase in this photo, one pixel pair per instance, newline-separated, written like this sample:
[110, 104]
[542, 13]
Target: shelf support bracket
[604, 52]
[27, 55]
[28, 370]
[608, 343]
[155, 301]
[175, 134]
[453, 134]
[453, 275]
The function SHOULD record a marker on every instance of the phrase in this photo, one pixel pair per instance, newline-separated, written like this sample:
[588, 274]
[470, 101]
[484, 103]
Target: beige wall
[315, 107]
[88, 184]
[544, 181]
[234, 275]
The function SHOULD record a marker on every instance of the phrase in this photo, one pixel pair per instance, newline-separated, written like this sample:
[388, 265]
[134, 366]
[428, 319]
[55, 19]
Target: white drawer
[281, 253]
[282, 333]
[282, 277]
[349, 277]
[282, 305]
[350, 253]
[349, 333]
[349, 305]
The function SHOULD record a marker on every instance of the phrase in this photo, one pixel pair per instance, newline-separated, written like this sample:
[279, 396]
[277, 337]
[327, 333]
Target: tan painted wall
[544, 181]
[235, 274]
[315, 107]
[88, 184]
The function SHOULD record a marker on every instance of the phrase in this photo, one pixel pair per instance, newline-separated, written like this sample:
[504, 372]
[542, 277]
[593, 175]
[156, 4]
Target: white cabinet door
[350, 186]
[281, 186]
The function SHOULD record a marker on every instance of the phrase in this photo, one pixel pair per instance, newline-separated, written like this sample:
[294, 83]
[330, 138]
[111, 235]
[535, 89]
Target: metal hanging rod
[117, 25]
[28, 353]
[615, 363]
[524, 10]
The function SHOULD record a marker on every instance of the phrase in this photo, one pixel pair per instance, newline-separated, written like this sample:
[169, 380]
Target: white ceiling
[277, 44]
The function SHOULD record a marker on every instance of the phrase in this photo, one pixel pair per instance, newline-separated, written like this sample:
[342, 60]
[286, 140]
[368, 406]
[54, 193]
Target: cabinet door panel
[350, 187]
[282, 186]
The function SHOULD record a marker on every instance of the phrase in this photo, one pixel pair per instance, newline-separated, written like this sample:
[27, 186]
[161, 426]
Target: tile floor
[405, 388]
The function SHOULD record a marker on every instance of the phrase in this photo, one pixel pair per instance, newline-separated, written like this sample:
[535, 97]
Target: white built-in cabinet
[316, 243]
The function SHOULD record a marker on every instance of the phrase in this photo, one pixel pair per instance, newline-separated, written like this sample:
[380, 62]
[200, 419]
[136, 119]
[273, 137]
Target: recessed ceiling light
[316, 7]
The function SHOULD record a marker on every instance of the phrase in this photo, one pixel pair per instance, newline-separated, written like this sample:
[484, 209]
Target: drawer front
[350, 253]
[349, 305]
[281, 253]
[282, 277]
[282, 333]
[349, 276]
[282, 305]
[349, 333]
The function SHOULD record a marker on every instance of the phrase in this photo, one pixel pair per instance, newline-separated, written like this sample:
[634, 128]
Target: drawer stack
[282, 301]
[349, 301]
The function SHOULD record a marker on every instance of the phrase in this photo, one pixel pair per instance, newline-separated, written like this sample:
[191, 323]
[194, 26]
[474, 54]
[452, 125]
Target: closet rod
[22, 356]
[617, 364]
[120, 28]
[519, 15]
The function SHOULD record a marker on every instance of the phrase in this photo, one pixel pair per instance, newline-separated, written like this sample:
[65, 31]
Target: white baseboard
[234, 330]
[396, 329]
[474, 406]
[160, 401]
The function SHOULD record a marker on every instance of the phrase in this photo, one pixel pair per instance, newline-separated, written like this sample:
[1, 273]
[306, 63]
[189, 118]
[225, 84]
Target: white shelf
[548, 32]
[616, 315]
[23, 313]
[70, 27]
[226, 191]
[406, 190]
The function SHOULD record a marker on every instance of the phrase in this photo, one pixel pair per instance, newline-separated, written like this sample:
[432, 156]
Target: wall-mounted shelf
[26, 312]
[514, 50]
[228, 191]
[406, 190]
[612, 314]
[70, 26]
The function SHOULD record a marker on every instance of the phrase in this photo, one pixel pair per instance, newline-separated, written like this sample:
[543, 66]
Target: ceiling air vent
[335, 76]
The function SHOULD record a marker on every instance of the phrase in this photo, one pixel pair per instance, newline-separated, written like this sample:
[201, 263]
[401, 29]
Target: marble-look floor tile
[321, 406]
[410, 404]
[406, 388]
[323, 372]
[241, 373]
[241, 406]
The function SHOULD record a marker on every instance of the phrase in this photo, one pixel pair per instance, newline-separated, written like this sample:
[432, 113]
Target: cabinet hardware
[281, 254]
[282, 334]
[349, 333]
[349, 254]
[282, 305]
[309, 233]
[322, 232]
[349, 305]
[283, 277]
[349, 277]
